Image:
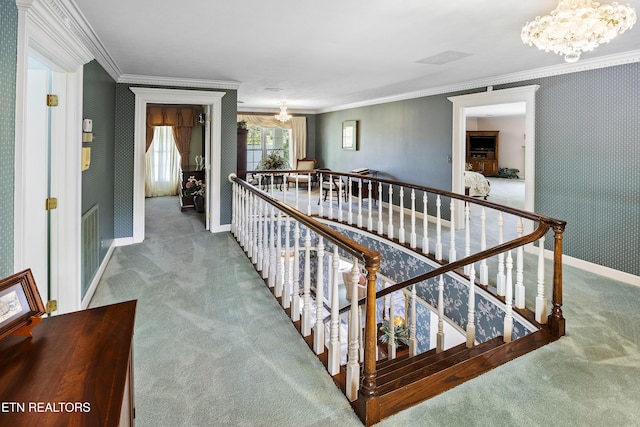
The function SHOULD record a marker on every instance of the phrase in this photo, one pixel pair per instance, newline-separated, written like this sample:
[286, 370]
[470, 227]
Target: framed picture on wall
[19, 302]
[350, 135]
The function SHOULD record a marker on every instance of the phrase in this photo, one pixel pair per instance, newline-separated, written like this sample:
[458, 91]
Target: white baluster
[340, 196]
[259, 249]
[286, 290]
[541, 302]
[471, 317]
[425, 225]
[360, 202]
[500, 278]
[331, 196]
[306, 304]
[520, 291]
[309, 195]
[390, 226]
[508, 299]
[440, 336]
[333, 362]
[265, 242]
[452, 248]
[233, 208]
[279, 261]
[380, 220]
[401, 232]
[350, 216]
[273, 258]
[321, 213]
[438, 229]
[251, 217]
[295, 292]
[391, 347]
[413, 239]
[318, 331]
[413, 342]
[272, 183]
[298, 191]
[353, 361]
[360, 336]
[369, 210]
[241, 218]
[467, 235]
[484, 269]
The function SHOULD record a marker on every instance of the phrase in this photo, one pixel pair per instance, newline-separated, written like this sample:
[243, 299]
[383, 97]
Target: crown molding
[178, 82]
[80, 26]
[537, 73]
[274, 110]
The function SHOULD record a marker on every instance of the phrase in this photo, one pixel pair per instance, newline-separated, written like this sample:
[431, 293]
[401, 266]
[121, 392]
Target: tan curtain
[298, 126]
[181, 119]
[182, 137]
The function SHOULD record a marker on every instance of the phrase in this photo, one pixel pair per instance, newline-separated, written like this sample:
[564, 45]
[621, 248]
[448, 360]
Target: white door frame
[210, 99]
[43, 30]
[524, 94]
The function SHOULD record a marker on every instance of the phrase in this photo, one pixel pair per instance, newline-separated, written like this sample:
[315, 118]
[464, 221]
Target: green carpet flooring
[212, 347]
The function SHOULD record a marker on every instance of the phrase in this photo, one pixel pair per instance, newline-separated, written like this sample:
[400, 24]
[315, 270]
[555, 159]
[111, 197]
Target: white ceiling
[325, 55]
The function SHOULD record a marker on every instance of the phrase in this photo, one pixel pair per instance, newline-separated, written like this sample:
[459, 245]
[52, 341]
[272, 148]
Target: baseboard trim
[96, 278]
[123, 241]
[598, 269]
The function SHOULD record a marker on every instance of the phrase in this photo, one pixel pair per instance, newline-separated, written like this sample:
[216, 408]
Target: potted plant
[195, 188]
[400, 332]
[242, 125]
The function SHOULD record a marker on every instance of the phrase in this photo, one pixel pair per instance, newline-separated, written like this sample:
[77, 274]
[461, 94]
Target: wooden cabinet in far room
[187, 201]
[482, 151]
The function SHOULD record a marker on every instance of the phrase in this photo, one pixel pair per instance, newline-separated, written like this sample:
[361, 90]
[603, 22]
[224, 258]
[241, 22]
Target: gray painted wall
[587, 155]
[99, 104]
[8, 57]
[124, 147]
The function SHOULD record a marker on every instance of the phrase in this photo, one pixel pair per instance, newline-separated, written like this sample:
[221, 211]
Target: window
[264, 141]
[162, 164]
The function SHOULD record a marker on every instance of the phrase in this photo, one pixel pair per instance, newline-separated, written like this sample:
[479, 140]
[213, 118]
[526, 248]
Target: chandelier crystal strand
[283, 116]
[577, 26]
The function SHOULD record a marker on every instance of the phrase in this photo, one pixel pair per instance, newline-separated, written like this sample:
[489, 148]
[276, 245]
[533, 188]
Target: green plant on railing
[400, 332]
[272, 161]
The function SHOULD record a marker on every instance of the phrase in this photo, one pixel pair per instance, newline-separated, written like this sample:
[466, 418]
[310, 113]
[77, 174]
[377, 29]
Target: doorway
[212, 101]
[461, 105]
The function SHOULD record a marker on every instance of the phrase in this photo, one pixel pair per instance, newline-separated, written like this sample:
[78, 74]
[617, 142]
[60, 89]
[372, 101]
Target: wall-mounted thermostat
[87, 125]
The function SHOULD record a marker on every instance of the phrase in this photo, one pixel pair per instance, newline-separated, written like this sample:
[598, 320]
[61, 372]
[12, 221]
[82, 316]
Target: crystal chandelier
[283, 116]
[577, 26]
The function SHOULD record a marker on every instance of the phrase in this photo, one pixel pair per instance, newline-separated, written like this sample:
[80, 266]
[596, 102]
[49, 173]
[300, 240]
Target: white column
[440, 336]
[335, 349]
[380, 221]
[401, 231]
[438, 229]
[484, 269]
[467, 235]
[286, 287]
[452, 248]
[318, 331]
[425, 225]
[390, 226]
[500, 278]
[519, 290]
[306, 304]
[413, 342]
[233, 207]
[508, 299]
[471, 317]
[369, 208]
[541, 302]
[353, 360]
[295, 292]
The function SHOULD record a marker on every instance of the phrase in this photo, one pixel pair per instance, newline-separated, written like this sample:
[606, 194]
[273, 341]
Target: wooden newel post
[371, 331]
[556, 321]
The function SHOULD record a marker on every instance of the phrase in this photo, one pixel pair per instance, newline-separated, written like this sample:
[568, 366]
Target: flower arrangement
[242, 124]
[400, 331]
[272, 161]
[194, 187]
[468, 166]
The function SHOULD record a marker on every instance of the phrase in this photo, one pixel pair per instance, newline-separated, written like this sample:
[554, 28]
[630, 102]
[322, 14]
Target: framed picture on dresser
[19, 302]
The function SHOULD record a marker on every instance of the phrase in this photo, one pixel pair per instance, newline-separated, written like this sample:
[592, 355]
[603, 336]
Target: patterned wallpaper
[124, 137]
[98, 104]
[587, 154]
[8, 46]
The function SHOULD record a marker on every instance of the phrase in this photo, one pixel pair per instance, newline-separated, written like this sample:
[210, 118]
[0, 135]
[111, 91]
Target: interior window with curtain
[162, 164]
[263, 141]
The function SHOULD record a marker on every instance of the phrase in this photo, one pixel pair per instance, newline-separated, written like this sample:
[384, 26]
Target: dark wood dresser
[76, 370]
